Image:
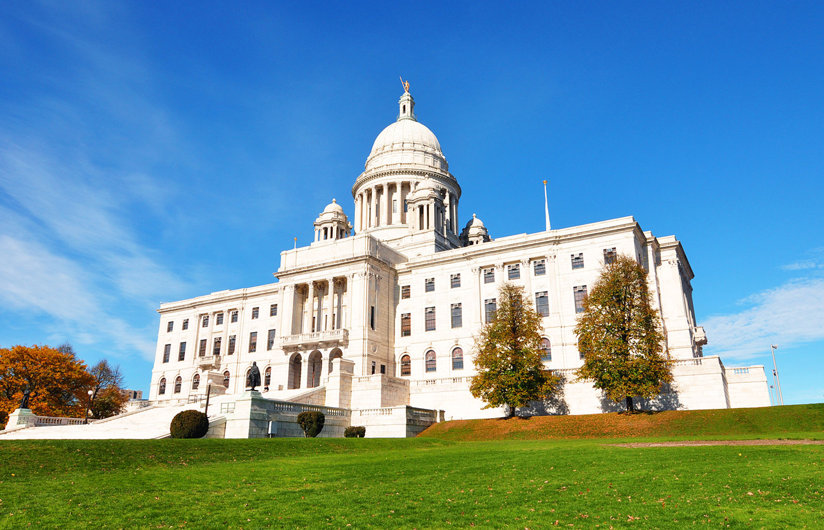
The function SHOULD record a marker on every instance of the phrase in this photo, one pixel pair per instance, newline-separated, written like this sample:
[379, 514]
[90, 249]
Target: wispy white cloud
[802, 265]
[788, 315]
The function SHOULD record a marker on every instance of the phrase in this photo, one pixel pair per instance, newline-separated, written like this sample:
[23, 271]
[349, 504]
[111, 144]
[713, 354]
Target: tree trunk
[630, 406]
[510, 411]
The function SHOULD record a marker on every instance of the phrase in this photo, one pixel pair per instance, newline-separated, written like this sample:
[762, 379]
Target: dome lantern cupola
[406, 105]
[332, 223]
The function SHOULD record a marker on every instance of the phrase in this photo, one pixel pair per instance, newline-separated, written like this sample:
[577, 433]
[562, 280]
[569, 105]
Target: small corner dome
[333, 207]
[475, 223]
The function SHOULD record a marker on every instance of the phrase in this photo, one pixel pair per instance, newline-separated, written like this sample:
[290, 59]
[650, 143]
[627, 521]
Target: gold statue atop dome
[405, 85]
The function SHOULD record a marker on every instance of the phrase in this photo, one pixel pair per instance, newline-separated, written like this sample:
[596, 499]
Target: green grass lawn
[422, 482]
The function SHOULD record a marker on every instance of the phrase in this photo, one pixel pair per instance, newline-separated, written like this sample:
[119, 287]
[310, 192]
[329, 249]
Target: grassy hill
[767, 422]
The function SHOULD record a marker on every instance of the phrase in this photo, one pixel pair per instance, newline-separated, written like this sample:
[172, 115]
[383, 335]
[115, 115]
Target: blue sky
[155, 151]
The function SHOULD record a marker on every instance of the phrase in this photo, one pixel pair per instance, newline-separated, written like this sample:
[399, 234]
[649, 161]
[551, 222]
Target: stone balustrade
[316, 339]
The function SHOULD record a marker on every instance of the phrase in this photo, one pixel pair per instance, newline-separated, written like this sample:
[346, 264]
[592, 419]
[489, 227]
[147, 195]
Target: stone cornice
[419, 171]
[220, 297]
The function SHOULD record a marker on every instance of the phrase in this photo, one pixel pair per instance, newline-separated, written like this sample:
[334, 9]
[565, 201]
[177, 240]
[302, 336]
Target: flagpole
[546, 208]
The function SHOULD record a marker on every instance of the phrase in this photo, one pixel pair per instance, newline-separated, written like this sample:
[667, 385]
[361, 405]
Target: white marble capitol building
[378, 313]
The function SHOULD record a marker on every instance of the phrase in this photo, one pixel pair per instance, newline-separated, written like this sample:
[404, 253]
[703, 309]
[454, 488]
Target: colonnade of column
[381, 205]
[324, 299]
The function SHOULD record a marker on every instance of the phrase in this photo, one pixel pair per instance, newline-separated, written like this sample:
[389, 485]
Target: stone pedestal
[250, 418]
[20, 419]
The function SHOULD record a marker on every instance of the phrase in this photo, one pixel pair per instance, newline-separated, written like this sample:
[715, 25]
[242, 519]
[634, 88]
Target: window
[178, 384]
[457, 359]
[255, 312]
[383, 369]
[219, 319]
[539, 267]
[457, 315]
[542, 303]
[202, 350]
[170, 325]
[406, 324]
[167, 352]
[429, 285]
[195, 381]
[581, 354]
[406, 365]
[394, 205]
[234, 316]
[185, 325]
[455, 281]
[181, 354]
[577, 261]
[546, 349]
[267, 377]
[374, 367]
[431, 361]
[405, 292]
[490, 306]
[232, 340]
[372, 316]
[610, 255]
[489, 275]
[429, 319]
[161, 387]
[273, 310]
[216, 346]
[226, 378]
[205, 323]
[253, 342]
[580, 292]
[513, 272]
[270, 340]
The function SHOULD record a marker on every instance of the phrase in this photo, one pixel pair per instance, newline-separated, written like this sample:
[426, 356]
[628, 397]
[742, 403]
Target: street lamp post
[773, 347]
[88, 406]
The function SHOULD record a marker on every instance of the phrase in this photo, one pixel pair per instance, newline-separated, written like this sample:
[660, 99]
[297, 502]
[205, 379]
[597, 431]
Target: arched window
[162, 386]
[457, 359]
[546, 354]
[195, 381]
[406, 365]
[226, 378]
[267, 376]
[431, 362]
[178, 384]
[336, 354]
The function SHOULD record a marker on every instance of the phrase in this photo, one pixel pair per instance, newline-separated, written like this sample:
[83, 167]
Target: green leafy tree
[508, 355]
[620, 337]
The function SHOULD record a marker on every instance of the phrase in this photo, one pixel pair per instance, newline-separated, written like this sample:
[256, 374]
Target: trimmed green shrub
[355, 432]
[311, 422]
[189, 424]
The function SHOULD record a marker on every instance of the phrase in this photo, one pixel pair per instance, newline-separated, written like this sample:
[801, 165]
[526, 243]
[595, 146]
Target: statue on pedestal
[24, 402]
[254, 376]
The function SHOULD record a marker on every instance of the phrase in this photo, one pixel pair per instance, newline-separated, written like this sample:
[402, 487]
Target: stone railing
[286, 407]
[387, 411]
[443, 381]
[43, 421]
[332, 337]
[208, 362]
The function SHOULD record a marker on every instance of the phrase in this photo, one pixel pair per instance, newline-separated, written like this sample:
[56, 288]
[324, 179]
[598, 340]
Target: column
[319, 310]
[307, 306]
[330, 297]
[388, 198]
[357, 213]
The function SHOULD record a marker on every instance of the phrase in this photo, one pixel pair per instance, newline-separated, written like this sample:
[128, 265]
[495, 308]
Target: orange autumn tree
[56, 378]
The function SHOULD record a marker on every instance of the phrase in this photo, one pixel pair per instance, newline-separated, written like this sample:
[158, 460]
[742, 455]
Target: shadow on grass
[666, 400]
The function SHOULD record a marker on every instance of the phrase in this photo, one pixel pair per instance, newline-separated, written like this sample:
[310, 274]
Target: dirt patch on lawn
[699, 443]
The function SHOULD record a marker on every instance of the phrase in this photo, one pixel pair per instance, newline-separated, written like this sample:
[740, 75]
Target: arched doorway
[314, 368]
[294, 371]
[334, 354]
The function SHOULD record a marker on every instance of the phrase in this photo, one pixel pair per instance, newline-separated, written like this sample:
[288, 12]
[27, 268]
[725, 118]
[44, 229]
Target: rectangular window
[232, 341]
[185, 325]
[455, 281]
[273, 310]
[539, 267]
[181, 353]
[205, 323]
[429, 319]
[580, 292]
[490, 306]
[253, 342]
[609, 255]
[270, 340]
[394, 205]
[372, 316]
[513, 272]
[542, 303]
[577, 261]
[219, 319]
[489, 275]
[234, 316]
[457, 315]
[202, 351]
[170, 325]
[406, 324]
[255, 312]
[405, 291]
[216, 347]
[167, 352]
[429, 285]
